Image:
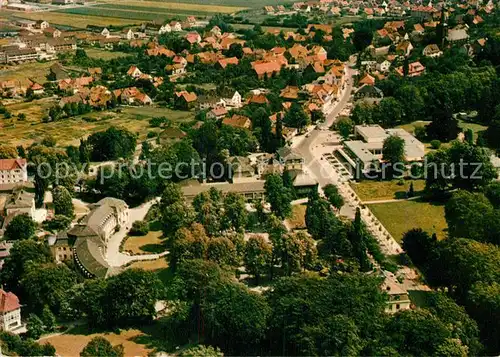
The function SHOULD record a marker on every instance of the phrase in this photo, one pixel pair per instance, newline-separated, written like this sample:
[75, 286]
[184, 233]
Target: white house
[176, 26]
[384, 66]
[13, 171]
[234, 101]
[10, 311]
[164, 29]
[105, 32]
[134, 72]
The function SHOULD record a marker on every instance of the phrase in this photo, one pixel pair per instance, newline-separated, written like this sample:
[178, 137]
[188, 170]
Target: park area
[152, 242]
[298, 218]
[370, 190]
[401, 216]
[69, 131]
[73, 342]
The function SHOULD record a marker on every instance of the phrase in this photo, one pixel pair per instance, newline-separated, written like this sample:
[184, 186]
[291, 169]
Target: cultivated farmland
[78, 21]
[187, 7]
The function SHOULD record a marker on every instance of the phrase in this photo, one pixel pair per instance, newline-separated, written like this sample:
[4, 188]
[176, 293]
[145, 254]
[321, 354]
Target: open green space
[370, 190]
[69, 131]
[400, 217]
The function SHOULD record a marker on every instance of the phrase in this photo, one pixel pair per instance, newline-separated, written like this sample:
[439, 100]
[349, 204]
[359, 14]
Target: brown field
[150, 243]
[79, 21]
[36, 71]
[179, 6]
[70, 131]
[72, 345]
[150, 264]
[298, 218]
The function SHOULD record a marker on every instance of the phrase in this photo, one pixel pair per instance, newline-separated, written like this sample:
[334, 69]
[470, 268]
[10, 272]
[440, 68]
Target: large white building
[13, 171]
[10, 312]
[365, 154]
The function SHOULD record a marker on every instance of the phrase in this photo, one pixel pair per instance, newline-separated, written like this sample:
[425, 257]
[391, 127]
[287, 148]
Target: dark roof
[89, 254]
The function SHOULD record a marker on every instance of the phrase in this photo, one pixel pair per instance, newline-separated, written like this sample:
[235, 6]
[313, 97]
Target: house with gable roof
[10, 312]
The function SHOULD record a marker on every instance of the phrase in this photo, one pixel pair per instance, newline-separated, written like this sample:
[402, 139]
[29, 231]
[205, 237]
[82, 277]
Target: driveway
[113, 255]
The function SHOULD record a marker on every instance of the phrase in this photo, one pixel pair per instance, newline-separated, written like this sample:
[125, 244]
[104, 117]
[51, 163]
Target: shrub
[435, 144]
[139, 228]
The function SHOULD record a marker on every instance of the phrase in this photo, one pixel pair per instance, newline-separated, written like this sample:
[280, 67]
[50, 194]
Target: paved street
[315, 145]
[113, 255]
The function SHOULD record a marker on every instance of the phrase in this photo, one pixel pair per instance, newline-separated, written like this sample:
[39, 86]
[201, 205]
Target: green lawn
[476, 128]
[385, 190]
[104, 54]
[399, 217]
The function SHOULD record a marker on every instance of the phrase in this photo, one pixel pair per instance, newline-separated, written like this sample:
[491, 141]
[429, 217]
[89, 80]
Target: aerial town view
[249, 178]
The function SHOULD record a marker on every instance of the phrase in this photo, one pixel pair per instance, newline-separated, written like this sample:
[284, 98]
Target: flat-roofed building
[366, 154]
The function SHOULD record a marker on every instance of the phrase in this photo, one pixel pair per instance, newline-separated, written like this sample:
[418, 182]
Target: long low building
[366, 153]
[250, 190]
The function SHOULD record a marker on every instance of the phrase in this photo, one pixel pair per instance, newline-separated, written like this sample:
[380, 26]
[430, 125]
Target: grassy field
[399, 217]
[150, 243]
[103, 54]
[77, 21]
[71, 344]
[35, 71]
[187, 6]
[385, 190]
[476, 128]
[69, 131]
[157, 264]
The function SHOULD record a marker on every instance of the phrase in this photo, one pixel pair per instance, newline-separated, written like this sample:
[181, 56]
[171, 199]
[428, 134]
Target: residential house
[369, 92]
[134, 72]
[132, 96]
[432, 50]
[185, 100]
[367, 79]
[414, 69]
[422, 12]
[457, 35]
[193, 37]
[223, 63]
[384, 66]
[42, 24]
[20, 202]
[290, 93]
[52, 32]
[399, 299]
[175, 26]
[60, 247]
[266, 69]
[37, 89]
[13, 171]
[238, 121]
[258, 99]
[404, 48]
[234, 101]
[10, 312]
[290, 159]
[217, 113]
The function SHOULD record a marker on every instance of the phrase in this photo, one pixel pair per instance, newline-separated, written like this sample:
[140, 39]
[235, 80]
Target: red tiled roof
[12, 164]
[8, 301]
[226, 61]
